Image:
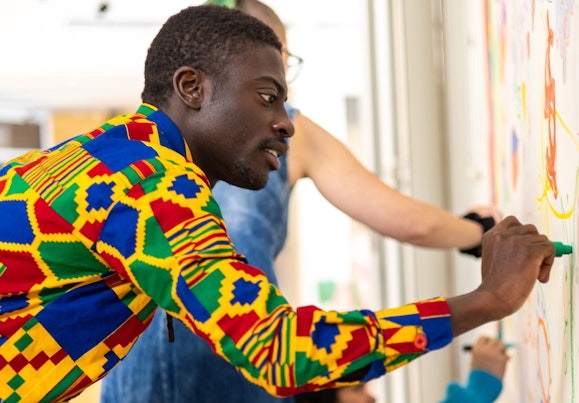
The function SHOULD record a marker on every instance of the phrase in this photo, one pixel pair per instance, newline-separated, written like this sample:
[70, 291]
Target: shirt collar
[169, 134]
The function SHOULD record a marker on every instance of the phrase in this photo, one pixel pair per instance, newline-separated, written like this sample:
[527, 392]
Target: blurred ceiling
[87, 54]
[64, 54]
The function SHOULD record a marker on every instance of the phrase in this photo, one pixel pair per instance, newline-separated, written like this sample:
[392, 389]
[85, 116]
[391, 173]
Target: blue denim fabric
[157, 371]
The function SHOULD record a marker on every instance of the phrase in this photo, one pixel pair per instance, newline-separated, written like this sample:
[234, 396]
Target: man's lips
[273, 158]
[274, 153]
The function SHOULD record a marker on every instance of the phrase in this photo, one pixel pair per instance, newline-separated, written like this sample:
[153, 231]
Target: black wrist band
[487, 223]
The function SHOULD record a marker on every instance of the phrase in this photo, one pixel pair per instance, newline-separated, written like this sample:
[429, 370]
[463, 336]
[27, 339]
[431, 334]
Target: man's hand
[514, 256]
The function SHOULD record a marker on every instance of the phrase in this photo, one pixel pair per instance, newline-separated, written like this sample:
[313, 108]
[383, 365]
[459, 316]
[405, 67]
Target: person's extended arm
[196, 275]
[356, 191]
[187, 265]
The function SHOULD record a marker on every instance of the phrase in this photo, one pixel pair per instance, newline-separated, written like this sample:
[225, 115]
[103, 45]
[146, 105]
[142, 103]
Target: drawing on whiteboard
[533, 62]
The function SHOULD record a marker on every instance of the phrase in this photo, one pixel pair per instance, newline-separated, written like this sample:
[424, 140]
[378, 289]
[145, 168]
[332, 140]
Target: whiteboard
[533, 99]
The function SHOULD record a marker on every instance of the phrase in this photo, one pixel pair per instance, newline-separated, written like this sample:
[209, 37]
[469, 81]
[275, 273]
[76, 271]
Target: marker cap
[562, 249]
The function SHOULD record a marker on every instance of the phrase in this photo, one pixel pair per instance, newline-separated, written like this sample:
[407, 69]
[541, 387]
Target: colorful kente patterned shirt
[101, 230]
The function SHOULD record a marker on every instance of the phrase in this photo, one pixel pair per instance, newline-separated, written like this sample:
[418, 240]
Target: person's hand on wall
[490, 354]
[485, 381]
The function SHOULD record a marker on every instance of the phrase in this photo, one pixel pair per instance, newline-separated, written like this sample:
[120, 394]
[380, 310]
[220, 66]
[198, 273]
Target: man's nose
[285, 126]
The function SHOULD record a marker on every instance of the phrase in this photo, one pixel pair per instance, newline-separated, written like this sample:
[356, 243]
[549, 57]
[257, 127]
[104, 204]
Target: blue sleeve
[482, 387]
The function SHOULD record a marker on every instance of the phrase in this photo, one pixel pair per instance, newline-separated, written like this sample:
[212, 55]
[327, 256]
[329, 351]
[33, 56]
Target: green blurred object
[326, 290]
[226, 3]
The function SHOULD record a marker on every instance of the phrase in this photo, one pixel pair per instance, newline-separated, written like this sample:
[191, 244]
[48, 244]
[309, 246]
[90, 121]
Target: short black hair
[204, 37]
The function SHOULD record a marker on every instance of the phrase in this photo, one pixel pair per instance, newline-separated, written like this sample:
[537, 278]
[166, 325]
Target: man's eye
[268, 98]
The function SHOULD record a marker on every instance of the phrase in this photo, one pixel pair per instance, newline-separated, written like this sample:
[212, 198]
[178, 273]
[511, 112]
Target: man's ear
[189, 85]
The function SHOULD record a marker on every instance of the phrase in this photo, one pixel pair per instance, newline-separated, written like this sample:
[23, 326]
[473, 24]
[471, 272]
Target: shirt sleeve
[482, 387]
[166, 236]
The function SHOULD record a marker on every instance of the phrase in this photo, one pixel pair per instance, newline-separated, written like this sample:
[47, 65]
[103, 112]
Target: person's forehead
[260, 64]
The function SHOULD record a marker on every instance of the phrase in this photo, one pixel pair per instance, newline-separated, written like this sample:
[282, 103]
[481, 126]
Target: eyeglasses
[293, 65]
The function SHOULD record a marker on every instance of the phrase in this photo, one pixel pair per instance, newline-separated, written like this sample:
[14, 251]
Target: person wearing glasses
[156, 370]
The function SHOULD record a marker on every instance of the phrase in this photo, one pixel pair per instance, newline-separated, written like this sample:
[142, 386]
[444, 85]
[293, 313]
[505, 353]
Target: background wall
[533, 98]
[466, 128]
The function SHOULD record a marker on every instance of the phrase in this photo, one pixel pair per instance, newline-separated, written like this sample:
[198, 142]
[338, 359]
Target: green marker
[562, 249]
